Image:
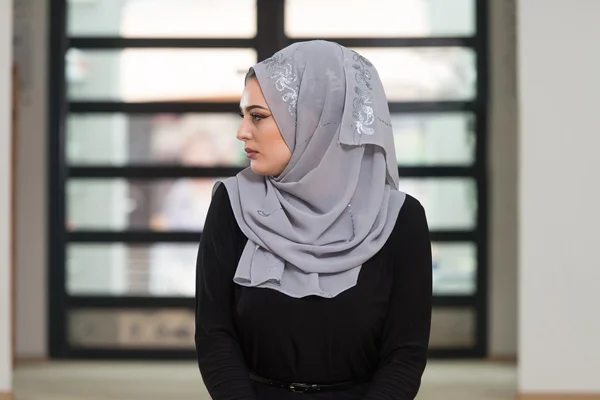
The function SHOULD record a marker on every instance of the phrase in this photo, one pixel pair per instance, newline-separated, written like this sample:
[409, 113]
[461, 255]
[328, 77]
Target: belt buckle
[299, 387]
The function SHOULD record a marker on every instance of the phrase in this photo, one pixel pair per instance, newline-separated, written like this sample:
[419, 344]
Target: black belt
[305, 387]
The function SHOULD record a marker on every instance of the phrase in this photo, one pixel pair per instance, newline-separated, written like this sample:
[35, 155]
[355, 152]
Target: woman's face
[264, 145]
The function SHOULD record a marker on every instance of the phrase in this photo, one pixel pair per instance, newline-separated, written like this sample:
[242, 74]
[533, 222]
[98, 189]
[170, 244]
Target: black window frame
[270, 37]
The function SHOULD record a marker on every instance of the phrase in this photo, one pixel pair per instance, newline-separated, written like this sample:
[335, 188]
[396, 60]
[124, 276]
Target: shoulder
[411, 206]
[411, 218]
[221, 226]
[220, 204]
[219, 193]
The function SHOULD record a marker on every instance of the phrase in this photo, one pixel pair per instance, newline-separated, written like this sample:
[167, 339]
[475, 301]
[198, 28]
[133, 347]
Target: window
[143, 119]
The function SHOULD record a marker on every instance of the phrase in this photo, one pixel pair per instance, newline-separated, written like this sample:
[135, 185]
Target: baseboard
[503, 359]
[6, 396]
[23, 360]
[562, 396]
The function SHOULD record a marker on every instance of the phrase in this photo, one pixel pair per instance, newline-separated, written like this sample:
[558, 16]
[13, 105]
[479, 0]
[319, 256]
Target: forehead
[252, 95]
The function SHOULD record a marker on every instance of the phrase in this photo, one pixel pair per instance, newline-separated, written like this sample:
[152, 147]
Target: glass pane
[379, 18]
[190, 139]
[120, 204]
[160, 18]
[168, 269]
[425, 74]
[450, 203]
[454, 268]
[156, 329]
[452, 328]
[133, 75]
[118, 269]
[430, 139]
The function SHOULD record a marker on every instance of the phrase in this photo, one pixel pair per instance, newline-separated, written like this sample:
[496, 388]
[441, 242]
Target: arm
[406, 333]
[219, 354]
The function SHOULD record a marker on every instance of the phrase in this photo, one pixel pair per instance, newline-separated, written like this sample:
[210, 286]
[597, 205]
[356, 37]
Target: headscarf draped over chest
[311, 228]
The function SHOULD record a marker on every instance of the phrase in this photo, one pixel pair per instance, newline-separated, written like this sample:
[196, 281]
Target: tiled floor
[181, 381]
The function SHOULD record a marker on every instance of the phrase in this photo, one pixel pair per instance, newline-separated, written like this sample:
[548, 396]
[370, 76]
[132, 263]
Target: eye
[257, 117]
[241, 114]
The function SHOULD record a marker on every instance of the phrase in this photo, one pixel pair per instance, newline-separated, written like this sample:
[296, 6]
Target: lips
[250, 153]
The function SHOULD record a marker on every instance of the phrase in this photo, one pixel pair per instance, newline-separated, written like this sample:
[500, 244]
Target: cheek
[275, 150]
[269, 136]
[283, 155]
[280, 150]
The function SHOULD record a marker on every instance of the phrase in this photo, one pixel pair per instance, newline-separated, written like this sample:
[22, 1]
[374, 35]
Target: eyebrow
[252, 107]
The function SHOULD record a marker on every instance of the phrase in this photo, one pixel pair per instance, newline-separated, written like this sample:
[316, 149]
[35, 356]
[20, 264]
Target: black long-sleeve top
[379, 328]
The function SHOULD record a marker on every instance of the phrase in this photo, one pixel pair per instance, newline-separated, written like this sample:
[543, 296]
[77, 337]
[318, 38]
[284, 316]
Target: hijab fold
[334, 206]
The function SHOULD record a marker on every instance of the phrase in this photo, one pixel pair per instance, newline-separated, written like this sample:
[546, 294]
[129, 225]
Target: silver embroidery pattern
[264, 213]
[363, 74]
[329, 123]
[363, 113]
[383, 122]
[351, 220]
[336, 82]
[280, 69]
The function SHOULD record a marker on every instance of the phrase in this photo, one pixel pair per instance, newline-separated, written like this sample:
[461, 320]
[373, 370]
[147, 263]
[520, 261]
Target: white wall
[559, 183]
[31, 30]
[5, 195]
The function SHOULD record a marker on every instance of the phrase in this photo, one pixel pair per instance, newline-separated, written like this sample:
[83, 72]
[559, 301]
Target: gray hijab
[334, 206]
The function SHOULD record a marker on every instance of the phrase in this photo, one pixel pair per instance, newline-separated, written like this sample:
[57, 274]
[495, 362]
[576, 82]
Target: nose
[244, 132]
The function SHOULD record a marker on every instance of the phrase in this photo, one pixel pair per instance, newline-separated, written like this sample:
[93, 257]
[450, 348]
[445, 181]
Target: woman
[314, 271]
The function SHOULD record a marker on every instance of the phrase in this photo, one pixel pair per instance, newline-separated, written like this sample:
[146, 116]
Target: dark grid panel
[270, 37]
[481, 298]
[192, 107]
[57, 299]
[165, 172]
[151, 303]
[132, 236]
[105, 43]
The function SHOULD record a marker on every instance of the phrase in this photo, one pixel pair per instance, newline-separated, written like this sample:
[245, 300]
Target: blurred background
[125, 115]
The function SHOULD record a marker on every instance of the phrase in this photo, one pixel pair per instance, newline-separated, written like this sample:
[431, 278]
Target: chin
[258, 169]
[261, 169]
